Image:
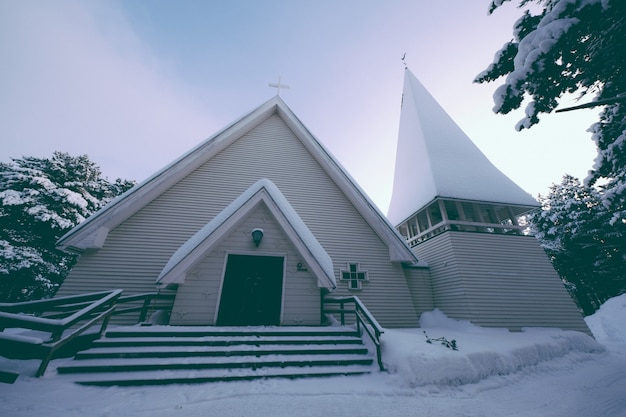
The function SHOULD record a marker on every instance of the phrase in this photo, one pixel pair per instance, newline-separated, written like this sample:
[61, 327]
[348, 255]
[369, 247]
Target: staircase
[181, 355]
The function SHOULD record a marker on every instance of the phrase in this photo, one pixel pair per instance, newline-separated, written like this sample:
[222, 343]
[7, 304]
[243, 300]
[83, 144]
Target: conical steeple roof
[435, 158]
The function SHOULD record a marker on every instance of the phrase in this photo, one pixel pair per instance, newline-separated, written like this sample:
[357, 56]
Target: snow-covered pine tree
[40, 200]
[570, 46]
[573, 228]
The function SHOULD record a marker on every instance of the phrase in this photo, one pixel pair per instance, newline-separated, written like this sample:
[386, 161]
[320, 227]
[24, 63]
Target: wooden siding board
[146, 240]
[506, 281]
[448, 293]
[198, 297]
[420, 287]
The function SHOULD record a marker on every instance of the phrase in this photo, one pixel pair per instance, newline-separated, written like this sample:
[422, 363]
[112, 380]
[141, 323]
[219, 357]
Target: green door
[252, 291]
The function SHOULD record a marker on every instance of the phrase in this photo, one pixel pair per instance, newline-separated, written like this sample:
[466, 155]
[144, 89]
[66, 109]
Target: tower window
[451, 210]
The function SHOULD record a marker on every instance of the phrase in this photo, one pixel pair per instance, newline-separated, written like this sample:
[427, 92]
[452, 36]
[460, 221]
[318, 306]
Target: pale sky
[134, 84]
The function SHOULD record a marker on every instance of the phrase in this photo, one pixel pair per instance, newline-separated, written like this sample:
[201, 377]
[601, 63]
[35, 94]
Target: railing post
[322, 307]
[105, 322]
[144, 309]
[56, 335]
[365, 322]
[342, 309]
[44, 365]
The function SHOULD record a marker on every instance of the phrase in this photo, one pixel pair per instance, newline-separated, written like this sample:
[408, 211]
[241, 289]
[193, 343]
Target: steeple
[436, 159]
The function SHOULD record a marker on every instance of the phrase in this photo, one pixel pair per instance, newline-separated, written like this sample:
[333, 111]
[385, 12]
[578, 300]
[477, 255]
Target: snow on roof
[124, 205]
[92, 233]
[435, 158]
[266, 190]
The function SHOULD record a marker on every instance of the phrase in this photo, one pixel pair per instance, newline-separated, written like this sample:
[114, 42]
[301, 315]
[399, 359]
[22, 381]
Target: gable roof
[92, 233]
[435, 158]
[263, 191]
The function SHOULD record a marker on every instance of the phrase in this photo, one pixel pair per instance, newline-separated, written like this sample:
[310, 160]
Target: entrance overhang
[265, 192]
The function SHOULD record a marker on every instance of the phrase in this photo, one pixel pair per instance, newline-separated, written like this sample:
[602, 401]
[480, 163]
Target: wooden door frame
[259, 254]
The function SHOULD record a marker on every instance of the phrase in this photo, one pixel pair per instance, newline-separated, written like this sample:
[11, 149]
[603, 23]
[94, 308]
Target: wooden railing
[143, 303]
[61, 320]
[363, 318]
[459, 225]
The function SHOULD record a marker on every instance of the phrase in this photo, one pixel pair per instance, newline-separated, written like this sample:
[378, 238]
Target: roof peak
[435, 158]
[92, 233]
[226, 220]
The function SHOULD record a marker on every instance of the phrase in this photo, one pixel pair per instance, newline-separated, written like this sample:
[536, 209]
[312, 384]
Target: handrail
[11, 315]
[147, 299]
[57, 315]
[46, 304]
[364, 319]
[101, 308]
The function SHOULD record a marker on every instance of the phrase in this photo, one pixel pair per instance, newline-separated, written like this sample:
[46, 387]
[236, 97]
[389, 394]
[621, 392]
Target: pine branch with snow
[589, 253]
[40, 200]
[560, 47]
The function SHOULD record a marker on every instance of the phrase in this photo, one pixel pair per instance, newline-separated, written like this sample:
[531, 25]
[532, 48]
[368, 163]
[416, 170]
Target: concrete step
[155, 364]
[228, 351]
[212, 331]
[212, 375]
[169, 354]
[149, 340]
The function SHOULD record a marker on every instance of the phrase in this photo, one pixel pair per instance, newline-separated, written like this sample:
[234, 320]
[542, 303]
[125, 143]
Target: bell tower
[465, 218]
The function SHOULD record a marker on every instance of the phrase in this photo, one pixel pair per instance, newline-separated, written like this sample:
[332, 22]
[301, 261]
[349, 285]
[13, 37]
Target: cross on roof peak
[278, 86]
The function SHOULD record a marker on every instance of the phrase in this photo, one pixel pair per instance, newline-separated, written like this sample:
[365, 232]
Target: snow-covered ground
[538, 372]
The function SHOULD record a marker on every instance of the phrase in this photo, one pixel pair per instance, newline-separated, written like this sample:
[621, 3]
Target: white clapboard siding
[136, 251]
[498, 281]
[420, 286]
[448, 291]
[197, 299]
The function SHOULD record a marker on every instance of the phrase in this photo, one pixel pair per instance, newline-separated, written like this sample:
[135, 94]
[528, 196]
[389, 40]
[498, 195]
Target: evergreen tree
[40, 200]
[571, 46]
[572, 228]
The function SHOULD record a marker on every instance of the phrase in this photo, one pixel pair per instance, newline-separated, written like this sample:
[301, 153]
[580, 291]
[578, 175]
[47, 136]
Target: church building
[258, 224]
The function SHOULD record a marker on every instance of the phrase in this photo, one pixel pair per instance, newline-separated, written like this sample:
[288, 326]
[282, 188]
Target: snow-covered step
[211, 331]
[210, 350]
[149, 340]
[130, 353]
[153, 364]
[212, 375]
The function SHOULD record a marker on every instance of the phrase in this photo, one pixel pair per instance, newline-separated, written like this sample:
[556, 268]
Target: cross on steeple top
[278, 86]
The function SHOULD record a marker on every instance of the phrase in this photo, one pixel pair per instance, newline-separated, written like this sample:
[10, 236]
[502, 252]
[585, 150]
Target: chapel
[259, 224]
